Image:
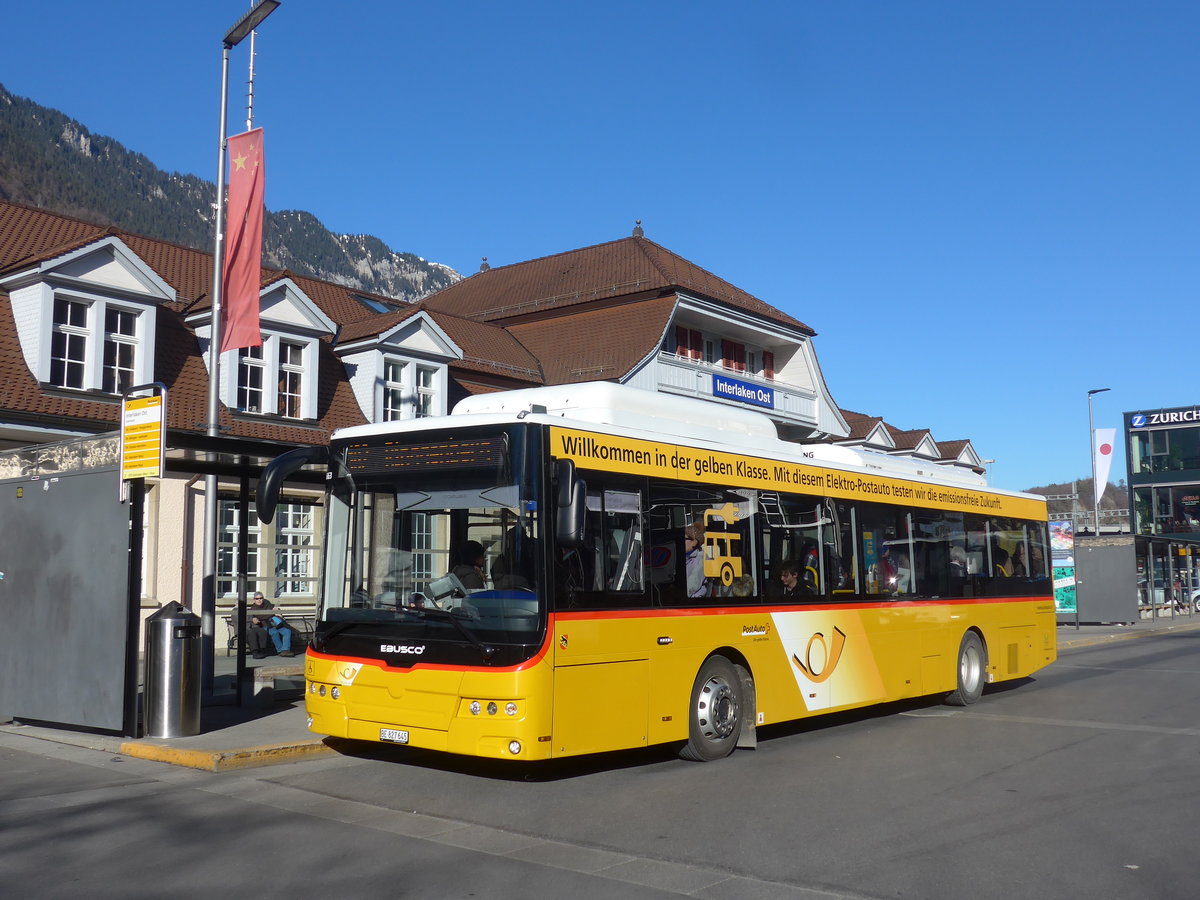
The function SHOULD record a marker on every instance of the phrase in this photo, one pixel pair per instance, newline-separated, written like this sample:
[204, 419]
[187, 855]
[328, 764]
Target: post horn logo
[832, 654]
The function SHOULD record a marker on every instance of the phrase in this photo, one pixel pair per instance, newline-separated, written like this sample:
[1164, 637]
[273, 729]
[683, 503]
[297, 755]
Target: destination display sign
[142, 425]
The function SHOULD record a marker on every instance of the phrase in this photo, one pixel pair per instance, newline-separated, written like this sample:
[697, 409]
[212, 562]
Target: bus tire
[972, 669]
[715, 712]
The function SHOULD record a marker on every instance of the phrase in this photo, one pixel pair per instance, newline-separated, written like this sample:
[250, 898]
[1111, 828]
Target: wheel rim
[717, 709]
[970, 669]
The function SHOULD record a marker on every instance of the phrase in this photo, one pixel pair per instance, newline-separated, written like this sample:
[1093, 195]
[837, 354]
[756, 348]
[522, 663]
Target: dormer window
[426, 391]
[120, 349]
[68, 345]
[75, 332]
[393, 390]
[411, 390]
[291, 379]
[250, 379]
[289, 364]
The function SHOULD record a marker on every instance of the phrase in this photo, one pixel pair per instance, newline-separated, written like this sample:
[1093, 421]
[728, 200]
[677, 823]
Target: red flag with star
[241, 272]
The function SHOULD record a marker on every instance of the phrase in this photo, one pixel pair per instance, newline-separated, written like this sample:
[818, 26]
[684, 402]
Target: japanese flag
[1102, 450]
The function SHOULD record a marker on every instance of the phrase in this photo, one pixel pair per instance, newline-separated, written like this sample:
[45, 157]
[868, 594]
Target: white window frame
[281, 556]
[96, 338]
[249, 361]
[77, 341]
[394, 403]
[291, 379]
[426, 393]
[272, 369]
[123, 377]
[420, 392]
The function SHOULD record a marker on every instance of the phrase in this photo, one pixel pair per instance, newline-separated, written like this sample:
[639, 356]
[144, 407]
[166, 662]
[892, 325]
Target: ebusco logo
[1137, 421]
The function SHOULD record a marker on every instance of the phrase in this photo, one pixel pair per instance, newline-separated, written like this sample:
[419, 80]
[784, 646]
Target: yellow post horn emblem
[832, 655]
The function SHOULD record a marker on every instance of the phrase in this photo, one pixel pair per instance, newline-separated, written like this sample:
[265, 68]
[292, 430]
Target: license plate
[395, 735]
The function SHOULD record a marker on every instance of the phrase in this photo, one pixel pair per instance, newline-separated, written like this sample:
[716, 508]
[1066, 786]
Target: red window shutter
[726, 354]
[768, 365]
[697, 345]
[739, 356]
[682, 342]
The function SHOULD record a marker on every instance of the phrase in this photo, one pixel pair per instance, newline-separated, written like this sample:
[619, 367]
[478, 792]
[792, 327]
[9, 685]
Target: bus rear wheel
[715, 712]
[972, 665]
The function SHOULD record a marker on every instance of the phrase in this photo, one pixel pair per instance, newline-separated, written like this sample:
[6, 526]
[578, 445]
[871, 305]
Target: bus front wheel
[972, 665]
[715, 713]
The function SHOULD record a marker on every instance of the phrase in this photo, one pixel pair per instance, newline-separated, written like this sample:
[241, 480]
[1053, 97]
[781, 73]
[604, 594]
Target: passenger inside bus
[693, 546]
[513, 565]
[470, 565]
[789, 577]
[1018, 562]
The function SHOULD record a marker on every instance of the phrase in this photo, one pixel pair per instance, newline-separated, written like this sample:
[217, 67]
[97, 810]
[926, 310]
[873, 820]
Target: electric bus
[579, 635]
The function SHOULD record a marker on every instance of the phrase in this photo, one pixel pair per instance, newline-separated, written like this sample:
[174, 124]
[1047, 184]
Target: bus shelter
[75, 555]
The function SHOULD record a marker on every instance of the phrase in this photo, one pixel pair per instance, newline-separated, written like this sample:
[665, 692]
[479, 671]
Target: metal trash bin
[172, 677]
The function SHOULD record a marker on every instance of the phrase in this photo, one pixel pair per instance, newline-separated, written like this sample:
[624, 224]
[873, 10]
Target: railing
[77, 455]
[687, 376]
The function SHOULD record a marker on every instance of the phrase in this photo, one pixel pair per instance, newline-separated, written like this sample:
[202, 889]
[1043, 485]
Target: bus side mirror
[572, 505]
[270, 485]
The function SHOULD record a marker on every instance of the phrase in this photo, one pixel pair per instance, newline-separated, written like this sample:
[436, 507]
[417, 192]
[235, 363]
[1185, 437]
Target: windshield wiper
[445, 615]
[337, 628]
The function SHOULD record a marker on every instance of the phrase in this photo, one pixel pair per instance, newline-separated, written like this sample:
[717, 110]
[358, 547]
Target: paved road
[1081, 782]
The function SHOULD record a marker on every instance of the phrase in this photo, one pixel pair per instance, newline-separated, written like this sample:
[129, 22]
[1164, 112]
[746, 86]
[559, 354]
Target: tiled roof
[952, 449]
[624, 268]
[28, 236]
[27, 233]
[860, 425]
[571, 351]
[908, 440]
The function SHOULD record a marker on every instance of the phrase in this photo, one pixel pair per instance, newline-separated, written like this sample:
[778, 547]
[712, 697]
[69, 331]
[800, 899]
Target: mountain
[51, 161]
[1115, 497]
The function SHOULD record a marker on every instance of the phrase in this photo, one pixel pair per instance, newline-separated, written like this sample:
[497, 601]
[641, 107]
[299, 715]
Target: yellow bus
[578, 635]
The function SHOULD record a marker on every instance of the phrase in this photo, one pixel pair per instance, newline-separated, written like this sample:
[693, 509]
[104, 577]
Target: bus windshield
[424, 536]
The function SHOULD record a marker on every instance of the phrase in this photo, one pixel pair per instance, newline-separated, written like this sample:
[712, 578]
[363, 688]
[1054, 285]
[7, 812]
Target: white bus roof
[671, 418]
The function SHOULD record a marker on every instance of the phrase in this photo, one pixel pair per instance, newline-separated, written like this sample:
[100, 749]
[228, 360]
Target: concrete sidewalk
[233, 737]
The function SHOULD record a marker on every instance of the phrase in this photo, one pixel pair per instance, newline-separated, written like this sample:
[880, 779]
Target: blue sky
[984, 209]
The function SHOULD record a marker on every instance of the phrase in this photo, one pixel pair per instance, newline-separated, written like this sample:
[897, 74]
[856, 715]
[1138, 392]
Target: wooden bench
[260, 690]
[301, 619]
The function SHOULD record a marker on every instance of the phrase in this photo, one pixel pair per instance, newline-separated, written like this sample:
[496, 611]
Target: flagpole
[1092, 435]
[208, 592]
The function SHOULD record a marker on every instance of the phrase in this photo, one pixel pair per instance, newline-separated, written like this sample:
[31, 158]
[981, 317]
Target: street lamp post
[208, 599]
[1092, 443]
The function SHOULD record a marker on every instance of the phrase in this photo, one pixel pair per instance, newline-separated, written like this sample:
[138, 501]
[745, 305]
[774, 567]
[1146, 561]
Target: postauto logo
[1171, 417]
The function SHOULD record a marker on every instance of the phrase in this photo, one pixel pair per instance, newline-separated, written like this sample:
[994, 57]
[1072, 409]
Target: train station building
[87, 312]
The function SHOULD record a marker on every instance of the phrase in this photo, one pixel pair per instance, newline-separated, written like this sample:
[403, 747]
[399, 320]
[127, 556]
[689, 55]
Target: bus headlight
[510, 708]
[335, 692]
[492, 708]
[514, 747]
[475, 707]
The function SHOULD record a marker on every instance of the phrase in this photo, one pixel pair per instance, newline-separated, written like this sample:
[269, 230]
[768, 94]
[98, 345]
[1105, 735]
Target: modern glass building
[1162, 452]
